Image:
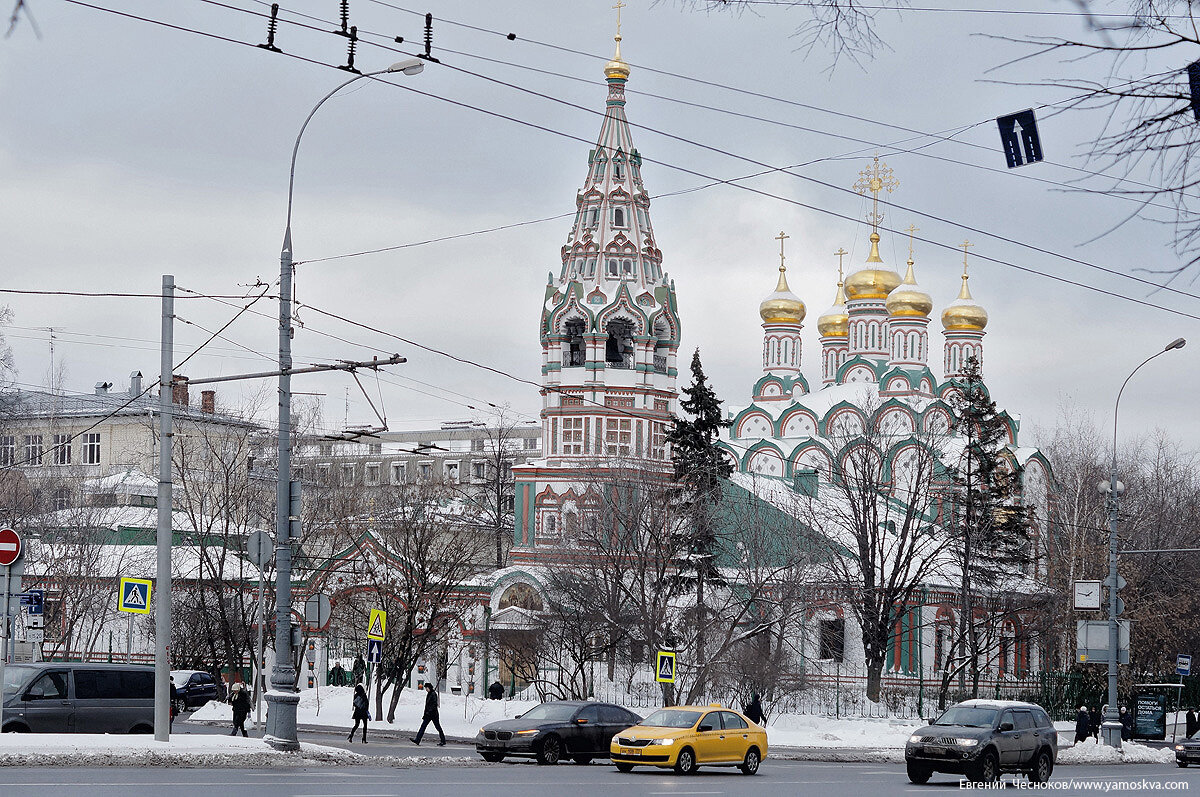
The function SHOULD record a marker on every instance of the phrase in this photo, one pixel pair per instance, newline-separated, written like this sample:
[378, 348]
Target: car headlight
[914, 739]
[662, 741]
[529, 732]
[966, 742]
[1179, 747]
[481, 730]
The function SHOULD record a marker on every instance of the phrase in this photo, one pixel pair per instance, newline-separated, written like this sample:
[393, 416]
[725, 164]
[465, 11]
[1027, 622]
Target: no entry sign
[10, 547]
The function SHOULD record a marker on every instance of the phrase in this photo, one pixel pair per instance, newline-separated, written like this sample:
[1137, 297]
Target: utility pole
[162, 608]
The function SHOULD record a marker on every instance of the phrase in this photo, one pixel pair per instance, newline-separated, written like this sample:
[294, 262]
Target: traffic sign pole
[4, 653]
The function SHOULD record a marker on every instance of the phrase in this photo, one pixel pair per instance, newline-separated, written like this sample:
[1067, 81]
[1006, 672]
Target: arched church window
[594, 216]
[618, 171]
[576, 351]
[618, 217]
[591, 266]
[613, 267]
[551, 526]
[618, 349]
[627, 267]
[598, 174]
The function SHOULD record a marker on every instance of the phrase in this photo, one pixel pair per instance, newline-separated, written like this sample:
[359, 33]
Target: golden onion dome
[908, 300]
[872, 283]
[617, 68]
[964, 313]
[782, 306]
[835, 322]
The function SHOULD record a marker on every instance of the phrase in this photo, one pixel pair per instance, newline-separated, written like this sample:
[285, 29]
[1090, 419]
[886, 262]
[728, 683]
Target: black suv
[983, 738]
[193, 688]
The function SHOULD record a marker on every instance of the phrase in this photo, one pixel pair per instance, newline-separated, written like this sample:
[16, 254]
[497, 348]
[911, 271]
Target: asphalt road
[382, 739]
[522, 779]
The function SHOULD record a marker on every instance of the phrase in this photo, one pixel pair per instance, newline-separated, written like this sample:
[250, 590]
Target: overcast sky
[130, 150]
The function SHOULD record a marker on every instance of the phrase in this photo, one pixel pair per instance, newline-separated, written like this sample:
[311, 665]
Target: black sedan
[550, 732]
[1188, 751]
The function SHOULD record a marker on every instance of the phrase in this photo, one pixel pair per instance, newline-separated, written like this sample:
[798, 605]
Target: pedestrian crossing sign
[377, 626]
[134, 595]
[665, 667]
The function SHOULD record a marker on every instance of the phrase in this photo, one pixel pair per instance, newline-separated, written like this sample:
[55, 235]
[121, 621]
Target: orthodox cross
[619, 6]
[781, 237]
[875, 179]
[912, 228]
[965, 245]
[840, 253]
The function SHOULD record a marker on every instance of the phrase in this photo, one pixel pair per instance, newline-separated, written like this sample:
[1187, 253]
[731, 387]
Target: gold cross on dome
[840, 253]
[619, 6]
[965, 245]
[781, 237]
[875, 179]
[912, 228]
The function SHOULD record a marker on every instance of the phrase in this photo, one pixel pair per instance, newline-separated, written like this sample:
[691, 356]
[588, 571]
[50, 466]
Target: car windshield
[968, 717]
[671, 718]
[550, 712]
[15, 677]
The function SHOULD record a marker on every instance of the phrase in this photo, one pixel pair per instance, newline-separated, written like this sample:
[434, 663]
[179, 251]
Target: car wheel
[550, 751]
[624, 767]
[582, 760]
[1181, 764]
[750, 764]
[919, 774]
[495, 758]
[15, 727]
[1043, 765]
[685, 764]
[141, 729]
[988, 769]
[180, 707]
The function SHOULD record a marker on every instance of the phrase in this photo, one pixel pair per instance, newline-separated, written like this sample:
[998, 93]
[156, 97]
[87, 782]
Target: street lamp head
[409, 66]
[1178, 343]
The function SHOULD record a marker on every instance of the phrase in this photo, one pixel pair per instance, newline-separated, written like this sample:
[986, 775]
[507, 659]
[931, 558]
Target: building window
[613, 268]
[8, 450]
[618, 172]
[618, 217]
[576, 353]
[572, 436]
[594, 216]
[506, 470]
[375, 448]
[33, 449]
[627, 267]
[618, 436]
[426, 471]
[62, 449]
[477, 444]
[479, 470]
[348, 473]
[371, 473]
[833, 640]
[398, 474]
[323, 473]
[658, 441]
[91, 448]
[531, 443]
[450, 472]
[62, 499]
[591, 267]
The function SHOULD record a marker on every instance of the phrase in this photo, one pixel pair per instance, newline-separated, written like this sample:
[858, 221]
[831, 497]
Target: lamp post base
[1110, 734]
[280, 730]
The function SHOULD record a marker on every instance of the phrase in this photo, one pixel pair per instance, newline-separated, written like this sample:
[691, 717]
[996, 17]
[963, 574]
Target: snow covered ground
[822, 737]
[83, 749]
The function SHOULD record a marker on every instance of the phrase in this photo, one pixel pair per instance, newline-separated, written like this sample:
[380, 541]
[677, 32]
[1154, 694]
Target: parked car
[983, 738]
[77, 697]
[551, 732]
[687, 737]
[193, 688]
[1188, 750]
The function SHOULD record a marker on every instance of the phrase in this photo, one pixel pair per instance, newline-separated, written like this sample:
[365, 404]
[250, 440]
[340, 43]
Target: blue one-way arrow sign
[374, 651]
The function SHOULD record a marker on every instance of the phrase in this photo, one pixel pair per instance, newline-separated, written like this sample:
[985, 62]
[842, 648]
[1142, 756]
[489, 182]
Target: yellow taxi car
[687, 737]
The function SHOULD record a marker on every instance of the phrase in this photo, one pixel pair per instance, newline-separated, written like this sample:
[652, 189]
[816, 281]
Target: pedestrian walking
[337, 674]
[496, 691]
[360, 667]
[1083, 725]
[753, 710]
[174, 703]
[1126, 724]
[1193, 723]
[360, 705]
[1095, 717]
[241, 708]
[430, 715]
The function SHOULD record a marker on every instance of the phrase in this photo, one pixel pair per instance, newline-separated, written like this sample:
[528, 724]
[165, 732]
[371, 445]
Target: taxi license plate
[630, 751]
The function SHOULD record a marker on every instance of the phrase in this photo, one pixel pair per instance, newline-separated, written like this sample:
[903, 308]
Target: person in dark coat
[174, 703]
[1126, 724]
[241, 708]
[360, 705]
[753, 710]
[337, 674]
[1193, 723]
[496, 691]
[1083, 725]
[1096, 716]
[430, 715]
[360, 667]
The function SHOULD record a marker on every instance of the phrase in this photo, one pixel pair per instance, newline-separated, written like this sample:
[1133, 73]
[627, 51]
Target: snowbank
[1130, 753]
[460, 716]
[793, 730]
[187, 750]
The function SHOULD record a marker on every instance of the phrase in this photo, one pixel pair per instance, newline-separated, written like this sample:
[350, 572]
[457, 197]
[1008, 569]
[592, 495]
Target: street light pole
[282, 698]
[1112, 724]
